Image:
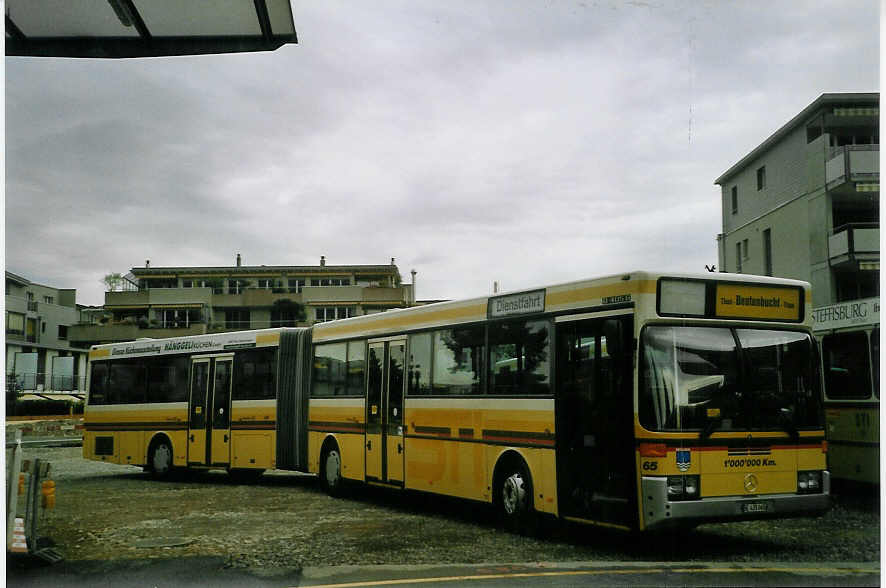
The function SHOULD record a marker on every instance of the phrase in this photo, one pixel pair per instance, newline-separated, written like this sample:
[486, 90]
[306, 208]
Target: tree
[286, 313]
[113, 282]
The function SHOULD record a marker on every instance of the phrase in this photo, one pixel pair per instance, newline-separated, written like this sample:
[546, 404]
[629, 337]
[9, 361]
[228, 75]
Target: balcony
[114, 333]
[18, 337]
[157, 296]
[43, 383]
[855, 167]
[855, 246]
[254, 297]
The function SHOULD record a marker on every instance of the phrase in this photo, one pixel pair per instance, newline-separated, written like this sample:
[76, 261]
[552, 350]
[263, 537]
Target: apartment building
[805, 203]
[161, 302]
[40, 356]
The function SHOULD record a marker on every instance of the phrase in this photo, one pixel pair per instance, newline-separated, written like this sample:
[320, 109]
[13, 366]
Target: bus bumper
[661, 513]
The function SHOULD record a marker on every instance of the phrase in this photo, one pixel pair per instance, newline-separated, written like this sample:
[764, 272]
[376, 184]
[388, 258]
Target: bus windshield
[725, 379]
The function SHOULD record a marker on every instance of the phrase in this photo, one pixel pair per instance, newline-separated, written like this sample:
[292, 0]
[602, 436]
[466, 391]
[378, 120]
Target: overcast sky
[529, 143]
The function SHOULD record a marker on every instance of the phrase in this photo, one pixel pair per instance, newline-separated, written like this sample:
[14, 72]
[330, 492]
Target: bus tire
[330, 470]
[513, 498]
[160, 458]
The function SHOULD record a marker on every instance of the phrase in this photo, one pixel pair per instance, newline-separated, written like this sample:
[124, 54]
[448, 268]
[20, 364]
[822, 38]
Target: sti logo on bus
[517, 304]
[684, 460]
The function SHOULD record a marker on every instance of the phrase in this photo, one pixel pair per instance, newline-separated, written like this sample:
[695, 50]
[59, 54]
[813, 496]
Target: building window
[855, 285]
[217, 285]
[49, 300]
[295, 285]
[272, 284]
[767, 251]
[734, 199]
[161, 283]
[330, 313]
[15, 323]
[179, 318]
[744, 250]
[738, 257]
[331, 282]
[237, 318]
[237, 286]
[761, 178]
[63, 332]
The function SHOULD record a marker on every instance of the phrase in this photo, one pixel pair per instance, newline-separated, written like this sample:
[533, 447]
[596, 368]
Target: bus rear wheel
[330, 471]
[514, 500]
[160, 460]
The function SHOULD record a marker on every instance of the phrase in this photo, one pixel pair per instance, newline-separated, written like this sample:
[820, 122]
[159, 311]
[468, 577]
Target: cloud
[523, 142]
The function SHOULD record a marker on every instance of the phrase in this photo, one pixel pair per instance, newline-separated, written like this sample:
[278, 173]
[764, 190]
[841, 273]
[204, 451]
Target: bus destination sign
[758, 302]
[517, 304]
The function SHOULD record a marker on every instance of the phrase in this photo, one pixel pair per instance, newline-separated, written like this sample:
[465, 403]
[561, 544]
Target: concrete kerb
[346, 573]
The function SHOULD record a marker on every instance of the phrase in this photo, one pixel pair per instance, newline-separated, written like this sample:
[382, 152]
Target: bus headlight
[683, 487]
[690, 483]
[809, 482]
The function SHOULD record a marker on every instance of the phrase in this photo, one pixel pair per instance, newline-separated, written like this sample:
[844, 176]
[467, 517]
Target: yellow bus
[849, 333]
[638, 401]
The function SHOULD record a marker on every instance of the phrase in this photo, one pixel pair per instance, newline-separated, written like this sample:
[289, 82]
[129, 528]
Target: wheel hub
[333, 468]
[513, 494]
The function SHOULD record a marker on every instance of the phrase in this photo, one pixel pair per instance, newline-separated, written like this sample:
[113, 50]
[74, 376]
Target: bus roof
[613, 290]
[209, 343]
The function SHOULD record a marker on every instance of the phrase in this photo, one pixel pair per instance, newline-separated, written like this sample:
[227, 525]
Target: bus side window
[98, 384]
[330, 369]
[255, 374]
[356, 367]
[127, 382]
[458, 361]
[519, 354]
[847, 369]
[419, 365]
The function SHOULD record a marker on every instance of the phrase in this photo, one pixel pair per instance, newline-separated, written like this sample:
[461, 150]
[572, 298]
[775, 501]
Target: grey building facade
[40, 356]
[805, 203]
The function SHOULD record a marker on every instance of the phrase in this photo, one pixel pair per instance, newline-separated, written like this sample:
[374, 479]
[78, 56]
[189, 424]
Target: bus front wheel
[514, 498]
[161, 459]
[330, 473]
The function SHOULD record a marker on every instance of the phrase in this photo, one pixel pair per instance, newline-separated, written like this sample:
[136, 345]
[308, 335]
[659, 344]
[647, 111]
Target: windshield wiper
[786, 420]
[709, 428]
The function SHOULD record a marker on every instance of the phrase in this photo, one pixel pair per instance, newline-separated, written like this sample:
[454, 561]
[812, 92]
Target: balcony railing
[853, 163]
[854, 243]
[43, 383]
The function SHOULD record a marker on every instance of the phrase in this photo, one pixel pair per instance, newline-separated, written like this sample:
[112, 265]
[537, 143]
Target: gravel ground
[285, 521]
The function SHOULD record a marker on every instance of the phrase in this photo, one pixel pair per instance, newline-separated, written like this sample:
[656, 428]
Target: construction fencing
[30, 492]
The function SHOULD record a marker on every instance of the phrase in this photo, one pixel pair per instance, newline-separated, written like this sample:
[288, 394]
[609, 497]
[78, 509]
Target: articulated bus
[637, 401]
[849, 333]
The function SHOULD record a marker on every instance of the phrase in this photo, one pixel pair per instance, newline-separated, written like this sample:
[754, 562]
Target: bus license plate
[755, 507]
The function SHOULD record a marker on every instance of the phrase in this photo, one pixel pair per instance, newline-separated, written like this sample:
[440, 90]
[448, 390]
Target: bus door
[209, 434]
[384, 411]
[594, 407]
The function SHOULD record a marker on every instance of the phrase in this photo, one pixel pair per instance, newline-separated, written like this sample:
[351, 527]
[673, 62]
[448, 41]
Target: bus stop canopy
[145, 28]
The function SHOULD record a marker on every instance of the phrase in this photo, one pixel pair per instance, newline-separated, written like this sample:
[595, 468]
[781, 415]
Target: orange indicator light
[653, 450]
